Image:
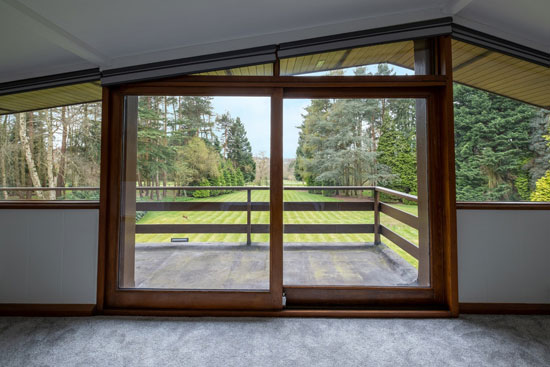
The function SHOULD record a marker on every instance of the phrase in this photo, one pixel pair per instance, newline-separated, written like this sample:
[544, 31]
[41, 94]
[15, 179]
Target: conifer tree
[491, 144]
[239, 150]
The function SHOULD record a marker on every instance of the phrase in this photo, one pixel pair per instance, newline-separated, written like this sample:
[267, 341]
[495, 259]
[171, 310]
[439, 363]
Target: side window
[502, 127]
[50, 153]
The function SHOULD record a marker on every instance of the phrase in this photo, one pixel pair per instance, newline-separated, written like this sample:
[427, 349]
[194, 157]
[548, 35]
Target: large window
[50, 153]
[502, 127]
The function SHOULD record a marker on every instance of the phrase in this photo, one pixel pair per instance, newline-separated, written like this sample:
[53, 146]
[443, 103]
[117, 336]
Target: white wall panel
[504, 256]
[48, 256]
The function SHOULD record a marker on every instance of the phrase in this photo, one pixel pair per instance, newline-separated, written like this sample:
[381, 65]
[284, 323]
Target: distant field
[289, 218]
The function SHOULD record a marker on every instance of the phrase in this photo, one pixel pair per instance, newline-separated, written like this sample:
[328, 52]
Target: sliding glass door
[195, 201]
[271, 194]
[356, 197]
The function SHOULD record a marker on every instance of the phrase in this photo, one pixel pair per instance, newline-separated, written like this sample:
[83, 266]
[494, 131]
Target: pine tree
[398, 152]
[239, 178]
[539, 145]
[337, 144]
[214, 181]
[239, 151]
[228, 176]
[492, 144]
[224, 123]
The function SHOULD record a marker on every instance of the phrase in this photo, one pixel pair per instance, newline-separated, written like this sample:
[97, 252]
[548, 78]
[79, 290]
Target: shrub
[202, 193]
[542, 190]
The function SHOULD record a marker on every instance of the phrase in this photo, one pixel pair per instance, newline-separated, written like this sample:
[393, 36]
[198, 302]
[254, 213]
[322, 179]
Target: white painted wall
[504, 256]
[48, 256]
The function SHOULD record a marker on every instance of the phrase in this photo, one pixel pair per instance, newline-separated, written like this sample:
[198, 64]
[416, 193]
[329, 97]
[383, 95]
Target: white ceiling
[47, 37]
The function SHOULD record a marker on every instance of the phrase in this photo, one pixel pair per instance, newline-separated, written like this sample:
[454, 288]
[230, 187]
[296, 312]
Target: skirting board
[505, 308]
[31, 309]
[13, 309]
[284, 313]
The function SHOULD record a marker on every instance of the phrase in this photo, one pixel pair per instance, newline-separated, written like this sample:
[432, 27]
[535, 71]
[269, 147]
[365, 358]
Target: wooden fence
[374, 204]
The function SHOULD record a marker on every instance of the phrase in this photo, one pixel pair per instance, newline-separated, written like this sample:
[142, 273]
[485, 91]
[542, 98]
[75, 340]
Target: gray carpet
[110, 341]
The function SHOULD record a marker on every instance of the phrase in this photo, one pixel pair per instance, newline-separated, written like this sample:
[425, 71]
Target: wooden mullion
[276, 200]
[111, 218]
[442, 182]
[225, 84]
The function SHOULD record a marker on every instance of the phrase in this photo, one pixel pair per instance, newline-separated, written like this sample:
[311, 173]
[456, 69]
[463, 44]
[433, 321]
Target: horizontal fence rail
[376, 205]
[258, 206]
[249, 206]
[255, 228]
[400, 215]
[403, 243]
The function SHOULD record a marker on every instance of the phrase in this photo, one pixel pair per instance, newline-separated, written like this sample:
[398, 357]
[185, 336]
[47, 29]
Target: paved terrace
[238, 266]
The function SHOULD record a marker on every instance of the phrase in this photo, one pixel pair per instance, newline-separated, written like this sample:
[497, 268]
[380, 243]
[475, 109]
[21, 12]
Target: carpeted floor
[471, 340]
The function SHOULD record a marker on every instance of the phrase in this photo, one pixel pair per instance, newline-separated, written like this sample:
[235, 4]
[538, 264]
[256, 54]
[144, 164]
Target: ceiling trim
[191, 65]
[51, 81]
[490, 42]
[409, 31]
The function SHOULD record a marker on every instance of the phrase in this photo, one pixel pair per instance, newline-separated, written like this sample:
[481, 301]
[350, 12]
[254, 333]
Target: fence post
[376, 216]
[248, 215]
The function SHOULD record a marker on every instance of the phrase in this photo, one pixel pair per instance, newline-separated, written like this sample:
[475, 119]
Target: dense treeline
[58, 147]
[502, 146]
[182, 142]
[356, 142]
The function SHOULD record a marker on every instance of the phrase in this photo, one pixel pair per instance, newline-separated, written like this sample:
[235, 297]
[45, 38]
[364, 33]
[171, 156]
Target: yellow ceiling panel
[501, 74]
[51, 97]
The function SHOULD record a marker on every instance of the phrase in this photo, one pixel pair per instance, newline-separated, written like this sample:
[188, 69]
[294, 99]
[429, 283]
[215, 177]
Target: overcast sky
[255, 116]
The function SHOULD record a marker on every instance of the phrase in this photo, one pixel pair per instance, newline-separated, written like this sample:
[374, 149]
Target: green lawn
[289, 218]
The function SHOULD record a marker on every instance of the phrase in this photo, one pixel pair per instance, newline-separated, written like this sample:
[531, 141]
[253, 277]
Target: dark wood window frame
[440, 299]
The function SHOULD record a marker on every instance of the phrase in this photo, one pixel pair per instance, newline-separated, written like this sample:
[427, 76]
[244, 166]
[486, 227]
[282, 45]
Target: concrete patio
[238, 266]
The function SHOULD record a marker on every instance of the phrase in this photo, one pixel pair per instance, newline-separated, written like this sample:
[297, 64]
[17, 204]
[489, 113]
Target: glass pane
[343, 157]
[386, 59]
[194, 168]
[502, 126]
[252, 70]
[50, 154]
